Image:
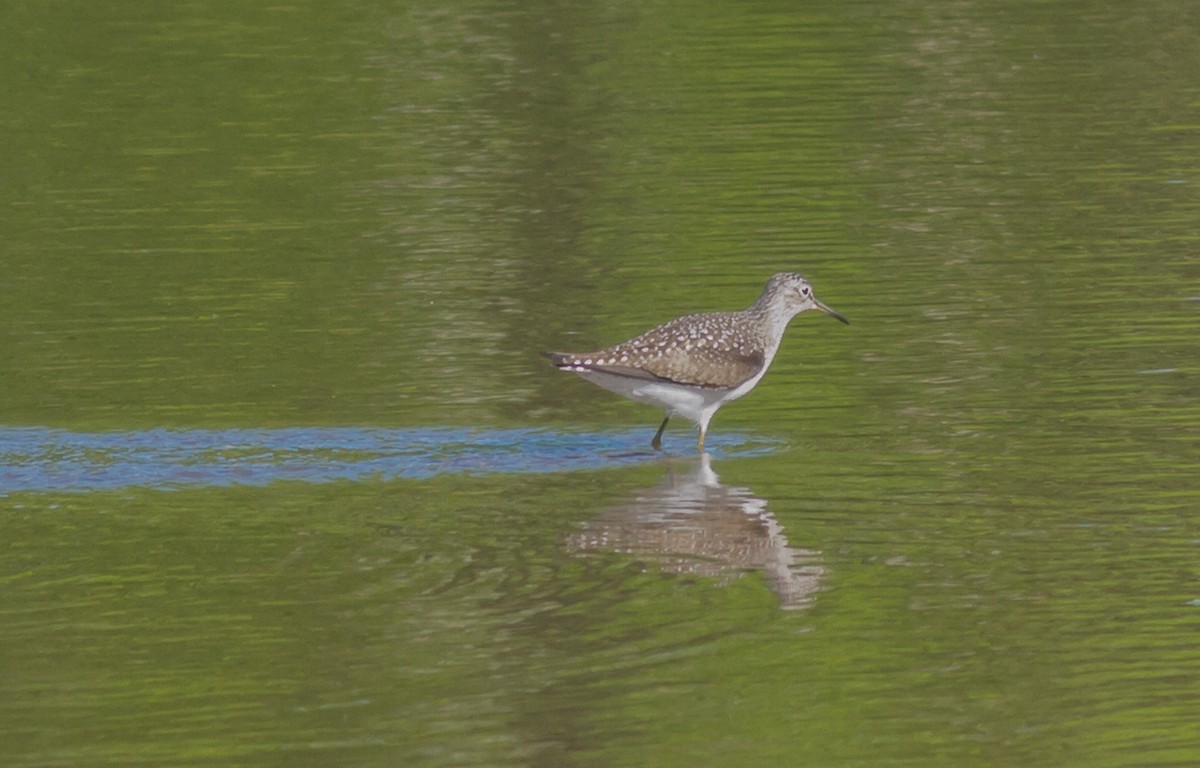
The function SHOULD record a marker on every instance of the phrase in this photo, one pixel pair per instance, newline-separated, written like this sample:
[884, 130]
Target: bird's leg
[656, 443]
[700, 442]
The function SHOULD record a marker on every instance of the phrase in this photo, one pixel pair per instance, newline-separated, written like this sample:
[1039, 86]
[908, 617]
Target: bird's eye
[806, 290]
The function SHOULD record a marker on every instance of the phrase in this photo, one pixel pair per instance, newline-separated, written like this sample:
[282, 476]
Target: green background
[375, 215]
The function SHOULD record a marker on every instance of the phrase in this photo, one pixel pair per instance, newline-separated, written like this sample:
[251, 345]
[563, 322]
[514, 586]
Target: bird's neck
[773, 316]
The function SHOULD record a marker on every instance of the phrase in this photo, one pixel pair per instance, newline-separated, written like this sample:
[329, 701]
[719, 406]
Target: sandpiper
[694, 364]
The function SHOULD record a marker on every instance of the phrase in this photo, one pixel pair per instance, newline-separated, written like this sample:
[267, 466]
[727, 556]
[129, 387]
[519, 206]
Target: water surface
[282, 475]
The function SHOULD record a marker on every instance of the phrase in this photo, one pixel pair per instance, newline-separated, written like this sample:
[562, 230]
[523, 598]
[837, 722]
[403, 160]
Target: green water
[960, 531]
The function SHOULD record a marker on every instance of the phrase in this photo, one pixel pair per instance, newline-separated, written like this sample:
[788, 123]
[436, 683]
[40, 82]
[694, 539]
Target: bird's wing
[723, 368]
[728, 368]
[596, 361]
[693, 350]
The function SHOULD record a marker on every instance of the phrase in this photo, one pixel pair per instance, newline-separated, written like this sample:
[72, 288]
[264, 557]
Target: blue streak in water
[43, 459]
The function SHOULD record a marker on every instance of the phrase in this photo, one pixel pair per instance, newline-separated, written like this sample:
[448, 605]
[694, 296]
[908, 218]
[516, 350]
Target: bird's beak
[829, 311]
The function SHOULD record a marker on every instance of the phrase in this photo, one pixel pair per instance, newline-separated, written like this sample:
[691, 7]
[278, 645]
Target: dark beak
[830, 312]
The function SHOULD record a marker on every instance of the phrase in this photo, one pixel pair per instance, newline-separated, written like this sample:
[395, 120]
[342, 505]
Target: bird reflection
[691, 524]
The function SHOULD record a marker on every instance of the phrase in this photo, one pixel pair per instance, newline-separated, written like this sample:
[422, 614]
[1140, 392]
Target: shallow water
[282, 475]
[38, 459]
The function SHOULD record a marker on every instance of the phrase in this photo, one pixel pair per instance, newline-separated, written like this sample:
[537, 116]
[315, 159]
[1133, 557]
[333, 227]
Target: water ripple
[44, 459]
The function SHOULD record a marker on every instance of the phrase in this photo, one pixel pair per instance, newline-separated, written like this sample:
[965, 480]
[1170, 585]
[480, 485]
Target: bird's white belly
[690, 403]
